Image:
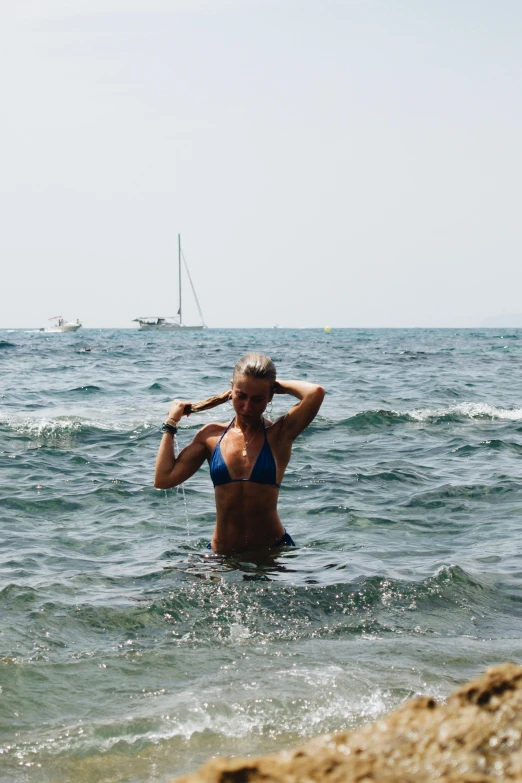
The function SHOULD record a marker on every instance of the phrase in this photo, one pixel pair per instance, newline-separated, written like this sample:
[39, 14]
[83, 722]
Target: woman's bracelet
[169, 428]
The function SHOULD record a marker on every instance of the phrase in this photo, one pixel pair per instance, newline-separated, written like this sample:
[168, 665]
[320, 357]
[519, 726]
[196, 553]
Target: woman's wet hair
[252, 365]
[256, 365]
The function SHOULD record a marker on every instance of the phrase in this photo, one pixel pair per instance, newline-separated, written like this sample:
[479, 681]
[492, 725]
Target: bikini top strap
[225, 431]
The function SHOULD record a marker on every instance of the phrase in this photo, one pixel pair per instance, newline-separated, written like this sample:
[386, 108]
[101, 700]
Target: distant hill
[513, 321]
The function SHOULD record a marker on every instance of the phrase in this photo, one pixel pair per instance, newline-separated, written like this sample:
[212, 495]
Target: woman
[247, 457]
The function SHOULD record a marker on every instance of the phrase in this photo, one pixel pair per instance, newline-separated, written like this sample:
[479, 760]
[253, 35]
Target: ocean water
[129, 653]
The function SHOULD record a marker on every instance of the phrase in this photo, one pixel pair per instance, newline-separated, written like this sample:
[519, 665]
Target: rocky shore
[474, 737]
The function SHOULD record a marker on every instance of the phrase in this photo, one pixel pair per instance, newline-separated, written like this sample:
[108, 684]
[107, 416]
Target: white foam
[301, 701]
[53, 426]
[238, 632]
[471, 410]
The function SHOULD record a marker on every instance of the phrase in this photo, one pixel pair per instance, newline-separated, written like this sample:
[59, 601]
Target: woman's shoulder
[212, 430]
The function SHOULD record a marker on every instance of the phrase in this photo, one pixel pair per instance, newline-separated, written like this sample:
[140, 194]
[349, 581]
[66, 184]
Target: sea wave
[382, 418]
[278, 705]
[377, 605]
[466, 410]
[211, 611]
[374, 419]
[459, 493]
[56, 427]
[492, 445]
[87, 389]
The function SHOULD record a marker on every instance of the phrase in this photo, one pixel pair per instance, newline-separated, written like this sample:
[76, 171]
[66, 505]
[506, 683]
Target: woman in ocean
[247, 457]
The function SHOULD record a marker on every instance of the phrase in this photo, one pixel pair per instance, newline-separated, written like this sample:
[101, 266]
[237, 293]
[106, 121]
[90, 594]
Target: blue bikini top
[263, 472]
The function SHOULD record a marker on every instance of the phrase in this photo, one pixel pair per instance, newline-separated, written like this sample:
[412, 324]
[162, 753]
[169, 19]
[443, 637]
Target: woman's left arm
[310, 397]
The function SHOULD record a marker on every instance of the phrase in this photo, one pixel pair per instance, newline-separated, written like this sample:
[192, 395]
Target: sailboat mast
[179, 273]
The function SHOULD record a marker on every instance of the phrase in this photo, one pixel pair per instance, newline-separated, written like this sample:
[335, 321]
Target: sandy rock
[474, 737]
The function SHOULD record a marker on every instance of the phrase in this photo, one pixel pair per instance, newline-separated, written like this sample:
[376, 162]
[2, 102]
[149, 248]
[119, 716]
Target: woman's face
[250, 396]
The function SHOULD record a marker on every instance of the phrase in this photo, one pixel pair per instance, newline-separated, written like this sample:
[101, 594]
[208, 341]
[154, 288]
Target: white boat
[58, 324]
[160, 323]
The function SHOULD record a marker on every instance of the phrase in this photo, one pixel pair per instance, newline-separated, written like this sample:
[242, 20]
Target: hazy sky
[326, 162]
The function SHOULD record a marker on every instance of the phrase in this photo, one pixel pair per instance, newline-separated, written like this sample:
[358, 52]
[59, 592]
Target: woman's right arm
[170, 470]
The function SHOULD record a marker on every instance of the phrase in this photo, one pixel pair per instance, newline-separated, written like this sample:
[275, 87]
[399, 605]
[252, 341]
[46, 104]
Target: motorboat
[59, 324]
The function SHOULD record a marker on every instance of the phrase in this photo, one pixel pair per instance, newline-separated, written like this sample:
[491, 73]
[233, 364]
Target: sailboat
[175, 321]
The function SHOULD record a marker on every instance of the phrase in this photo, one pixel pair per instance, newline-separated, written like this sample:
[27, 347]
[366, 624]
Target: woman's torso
[246, 509]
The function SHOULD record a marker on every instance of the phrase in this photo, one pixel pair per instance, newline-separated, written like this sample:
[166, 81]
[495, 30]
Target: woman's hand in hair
[297, 389]
[310, 396]
[178, 409]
